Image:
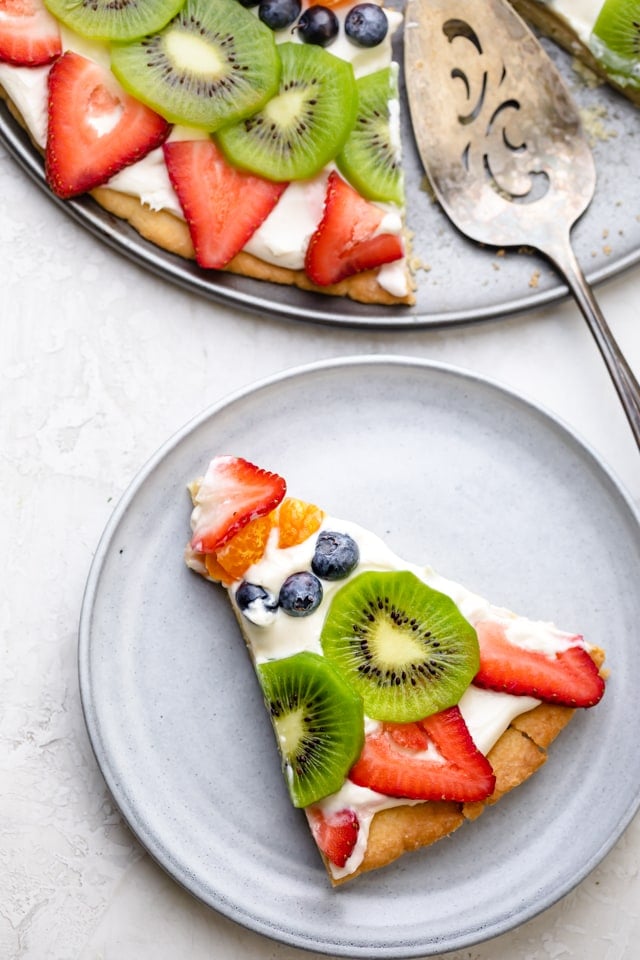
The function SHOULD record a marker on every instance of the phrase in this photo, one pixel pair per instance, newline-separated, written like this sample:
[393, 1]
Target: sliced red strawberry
[455, 770]
[232, 493]
[347, 240]
[95, 128]
[569, 677]
[335, 834]
[223, 206]
[29, 34]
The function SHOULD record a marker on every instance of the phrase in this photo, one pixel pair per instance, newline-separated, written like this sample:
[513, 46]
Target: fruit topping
[95, 128]
[213, 64]
[297, 521]
[223, 206]
[405, 648]
[245, 548]
[348, 240]
[29, 35]
[304, 125]
[300, 594]
[569, 677]
[255, 603]
[213, 568]
[615, 40]
[232, 493]
[318, 24]
[335, 833]
[336, 555]
[453, 769]
[106, 20]
[318, 722]
[370, 159]
[278, 14]
[366, 24]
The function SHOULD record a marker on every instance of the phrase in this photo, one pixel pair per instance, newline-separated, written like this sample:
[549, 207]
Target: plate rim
[402, 950]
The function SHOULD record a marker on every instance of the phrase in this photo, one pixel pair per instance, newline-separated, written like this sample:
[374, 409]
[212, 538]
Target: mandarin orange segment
[215, 571]
[246, 548]
[297, 520]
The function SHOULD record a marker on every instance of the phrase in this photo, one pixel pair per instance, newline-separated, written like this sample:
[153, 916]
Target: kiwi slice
[318, 721]
[106, 20]
[404, 647]
[305, 125]
[370, 159]
[615, 40]
[212, 64]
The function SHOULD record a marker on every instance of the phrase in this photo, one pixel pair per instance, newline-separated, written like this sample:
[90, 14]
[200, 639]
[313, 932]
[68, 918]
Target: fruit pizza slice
[402, 703]
[258, 138]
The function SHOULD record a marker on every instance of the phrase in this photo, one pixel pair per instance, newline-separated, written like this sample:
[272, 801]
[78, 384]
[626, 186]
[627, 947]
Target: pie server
[502, 144]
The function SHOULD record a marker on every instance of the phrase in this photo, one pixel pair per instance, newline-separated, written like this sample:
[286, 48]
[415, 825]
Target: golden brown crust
[549, 23]
[399, 830]
[170, 233]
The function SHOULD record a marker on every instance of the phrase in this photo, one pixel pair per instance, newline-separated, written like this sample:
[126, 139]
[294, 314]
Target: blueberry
[300, 594]
[318, 25]
[249, 3]
[256, 604]
[366, 24]
[279, 13]
[335, 556]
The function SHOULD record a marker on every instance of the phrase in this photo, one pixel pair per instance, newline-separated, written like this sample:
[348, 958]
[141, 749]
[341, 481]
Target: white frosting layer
[283, 238]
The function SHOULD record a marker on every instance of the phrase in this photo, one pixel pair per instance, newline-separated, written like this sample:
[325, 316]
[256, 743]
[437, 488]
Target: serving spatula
[503, 146]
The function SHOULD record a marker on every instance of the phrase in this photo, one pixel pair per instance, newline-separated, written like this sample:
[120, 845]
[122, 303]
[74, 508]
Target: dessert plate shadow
[453, 470]
[457, 280]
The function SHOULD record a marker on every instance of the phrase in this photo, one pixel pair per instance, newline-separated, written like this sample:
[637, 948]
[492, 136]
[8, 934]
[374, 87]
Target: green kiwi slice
[370, 159]
[615, 40]
[106, 20]
[404, 647]
[304, 125]
[212, 64]
[318, 721]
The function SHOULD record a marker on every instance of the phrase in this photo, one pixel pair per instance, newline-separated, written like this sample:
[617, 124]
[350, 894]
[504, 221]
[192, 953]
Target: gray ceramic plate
[453, 470]
[465, 282]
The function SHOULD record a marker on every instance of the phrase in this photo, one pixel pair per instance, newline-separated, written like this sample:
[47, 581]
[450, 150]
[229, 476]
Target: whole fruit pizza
[403, 704]
[261, 138]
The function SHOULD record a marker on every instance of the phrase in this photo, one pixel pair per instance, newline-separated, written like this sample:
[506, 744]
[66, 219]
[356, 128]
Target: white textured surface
[100, 364]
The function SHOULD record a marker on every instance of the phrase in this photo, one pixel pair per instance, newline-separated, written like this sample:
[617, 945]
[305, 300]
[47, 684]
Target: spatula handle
[621, 373]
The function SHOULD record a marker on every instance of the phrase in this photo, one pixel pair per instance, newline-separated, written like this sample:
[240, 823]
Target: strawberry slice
[29, 34]
[395, 761]
[223, 206]
[335, 834]
[569, 677]
[232, 493]
[95, 128]
[347, 240]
